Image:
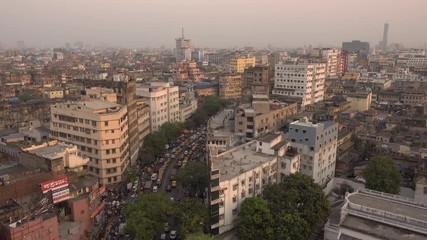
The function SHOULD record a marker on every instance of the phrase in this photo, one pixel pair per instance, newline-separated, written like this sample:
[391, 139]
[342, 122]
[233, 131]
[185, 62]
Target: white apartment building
[373, 215]
[317, 145]
[303, 81]
[163, 99]
[99, 129]
[243, 172]
[333, 62]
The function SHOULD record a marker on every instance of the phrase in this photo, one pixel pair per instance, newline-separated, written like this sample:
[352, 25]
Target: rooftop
[223, 123]
[240, 159]
[50, 150]
[98, 104]
[390, 204]
[268, 137]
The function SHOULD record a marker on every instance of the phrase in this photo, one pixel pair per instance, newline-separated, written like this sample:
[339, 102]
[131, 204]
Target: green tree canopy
[192, 216]
[290, 227]
[256, 220]
[193, 176]
[298, 194]
[146, 216]
[172, 130]
[199, 237]
[382, 175]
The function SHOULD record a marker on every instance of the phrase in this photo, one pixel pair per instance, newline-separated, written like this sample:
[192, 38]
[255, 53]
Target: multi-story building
[187, 102]
[206, 88]
[262, 116]
[230, 86]
[183, 48]
[126, 96]
[243, 172]
[304, 81]
[356, 46]
[333, 62]
[239, 64]
[256, 80]
[143, 120]
[368, 214]
[163, 99]
[100, 131]
[317, 144]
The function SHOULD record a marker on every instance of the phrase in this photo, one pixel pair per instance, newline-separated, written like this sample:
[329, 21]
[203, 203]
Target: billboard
[59, 188]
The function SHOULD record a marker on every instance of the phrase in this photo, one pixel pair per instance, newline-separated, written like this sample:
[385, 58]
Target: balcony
[291, 152]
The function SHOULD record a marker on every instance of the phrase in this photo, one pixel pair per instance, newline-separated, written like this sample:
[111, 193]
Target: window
[106, 123]
[311, 148]
[235, 211]
[243, 194]
[234, 199]
[260, 143]
[108, 151]
[283, 165]
[304, 131]
[243, 182]
[234, 187]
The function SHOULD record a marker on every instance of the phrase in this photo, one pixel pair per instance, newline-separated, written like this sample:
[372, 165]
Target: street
[189, 146]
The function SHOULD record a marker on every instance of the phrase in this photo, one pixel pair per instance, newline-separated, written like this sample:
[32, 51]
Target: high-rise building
[333, 62]
[302, 81]
[183, 48]
[163, 99]
[126, 96]
[317, 144]
[356, 46]
[239, 64]
[99, 129]
[384, 43]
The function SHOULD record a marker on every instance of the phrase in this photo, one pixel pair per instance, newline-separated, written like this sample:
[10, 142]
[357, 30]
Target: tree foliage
[145, 217]
[199, 237]
[290, 226]
[194, 176]
[209, 106]
[382, 175]
[298, 194]
[256, 220]
[192, 216]
[342, 189]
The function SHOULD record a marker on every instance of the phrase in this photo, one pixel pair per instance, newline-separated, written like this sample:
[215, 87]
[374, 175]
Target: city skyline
[218, 24]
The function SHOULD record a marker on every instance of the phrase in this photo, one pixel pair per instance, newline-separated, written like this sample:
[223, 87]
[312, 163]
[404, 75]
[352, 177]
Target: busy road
[159, 176]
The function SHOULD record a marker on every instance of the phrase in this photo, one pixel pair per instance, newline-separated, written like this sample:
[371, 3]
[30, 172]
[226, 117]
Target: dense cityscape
[199, 143]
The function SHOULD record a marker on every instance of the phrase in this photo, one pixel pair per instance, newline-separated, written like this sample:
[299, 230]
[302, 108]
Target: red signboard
[59, 188]
[55, 183]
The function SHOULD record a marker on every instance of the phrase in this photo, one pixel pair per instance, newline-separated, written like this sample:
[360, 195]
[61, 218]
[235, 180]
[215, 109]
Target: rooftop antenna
[182, 32]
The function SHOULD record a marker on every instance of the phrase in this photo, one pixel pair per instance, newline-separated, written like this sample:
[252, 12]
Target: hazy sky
[212, 23]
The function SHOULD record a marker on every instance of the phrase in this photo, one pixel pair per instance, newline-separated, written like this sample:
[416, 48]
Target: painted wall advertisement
[59, 188]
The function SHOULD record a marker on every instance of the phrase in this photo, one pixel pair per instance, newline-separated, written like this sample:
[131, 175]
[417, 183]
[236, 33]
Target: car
[173, 183]
[154, 177]
[159, 181]
[172, 235]
[169, 188]
[155, 188]
[163, 236]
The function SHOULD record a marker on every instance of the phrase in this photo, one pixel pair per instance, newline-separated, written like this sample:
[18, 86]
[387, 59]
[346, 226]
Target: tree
[154, 143]
[256, 220]
[342, 189]
[194, 176]
[146, 216]
[192, 216]
[212, 105]
[172, 130]
[199, 237]
[291, 226]
[298, 194]
[382, 175]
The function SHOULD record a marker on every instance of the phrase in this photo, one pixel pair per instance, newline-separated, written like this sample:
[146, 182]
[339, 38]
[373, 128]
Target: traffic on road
[159, 176]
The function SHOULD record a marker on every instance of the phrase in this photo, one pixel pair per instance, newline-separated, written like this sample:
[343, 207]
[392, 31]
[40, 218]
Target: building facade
[143, 121]
[356, 46]
[100, 131]
[239, 64]
[243, 172]
[163, 99]
[304, 81]
[261, 117]
[360, 101]
[317, 144]
[256, 80]
[333, 62]
[230, 86]
[183, 48]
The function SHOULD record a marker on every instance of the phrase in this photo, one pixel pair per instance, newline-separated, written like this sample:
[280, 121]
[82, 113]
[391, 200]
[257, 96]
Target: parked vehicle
[155, 188]
[154, 177]
[172, 235]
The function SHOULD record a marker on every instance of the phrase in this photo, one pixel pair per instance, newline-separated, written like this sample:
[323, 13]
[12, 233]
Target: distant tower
[183, 48]
[385, 37]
